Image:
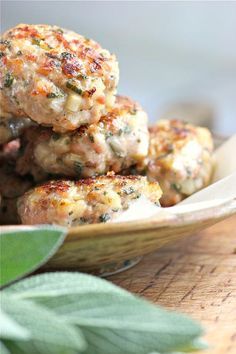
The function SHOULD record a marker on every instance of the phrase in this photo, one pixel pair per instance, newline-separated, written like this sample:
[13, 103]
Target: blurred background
[178, 59]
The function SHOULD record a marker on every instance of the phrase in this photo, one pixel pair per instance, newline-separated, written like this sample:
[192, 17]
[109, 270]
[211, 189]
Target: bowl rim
[212, 213]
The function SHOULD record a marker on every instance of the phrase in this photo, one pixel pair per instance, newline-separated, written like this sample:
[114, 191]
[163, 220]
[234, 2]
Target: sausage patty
[180, 159]
[92, 200]
[55, 76]
[119, 140]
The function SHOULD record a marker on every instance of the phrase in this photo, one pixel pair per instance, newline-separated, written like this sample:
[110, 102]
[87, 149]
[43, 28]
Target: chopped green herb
[82, 77]
[66, 55]
[51, 95]
[78, 167]
[36, 41]
[41, 43]
[60, 30]
[108, 135]
[74, 88]
[104, 217]
[134, 111]
[6, 43]
[83, 220]
[15, 98]
[52, 56]
[133, 171]
[176, 187]
[188, 170]
[127, 129]
[56, 136]
[2, 54]
[8, 80]
[105, 193]
[54, 95]
[91, 138]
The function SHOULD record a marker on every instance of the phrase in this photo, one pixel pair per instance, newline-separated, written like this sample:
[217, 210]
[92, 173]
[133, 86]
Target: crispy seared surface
[119, 140]
[91, 200]
[55, 76]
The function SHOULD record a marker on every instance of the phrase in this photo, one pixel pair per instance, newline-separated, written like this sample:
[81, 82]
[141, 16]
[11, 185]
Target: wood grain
[197, 276]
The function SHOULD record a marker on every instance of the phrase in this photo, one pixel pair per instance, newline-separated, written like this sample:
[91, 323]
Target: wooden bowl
[104, 249]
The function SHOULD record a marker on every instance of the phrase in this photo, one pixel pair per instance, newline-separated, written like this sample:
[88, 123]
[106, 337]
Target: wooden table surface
[196, 276]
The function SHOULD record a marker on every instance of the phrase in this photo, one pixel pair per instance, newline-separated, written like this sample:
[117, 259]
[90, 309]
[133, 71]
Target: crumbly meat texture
[12, 128]
[55, 76]
[92, 200]
[119, 140]
[12, 186]
[180, 159]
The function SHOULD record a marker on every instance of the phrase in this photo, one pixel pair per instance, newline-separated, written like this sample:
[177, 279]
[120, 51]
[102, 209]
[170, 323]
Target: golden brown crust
[55, 76]
[91, 200]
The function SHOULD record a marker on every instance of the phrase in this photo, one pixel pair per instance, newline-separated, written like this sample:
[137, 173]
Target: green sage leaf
[25, 250]
[112, 323]
[3, 349]
[112, 320]
[48, 334]
[11, 329]
[62, 283]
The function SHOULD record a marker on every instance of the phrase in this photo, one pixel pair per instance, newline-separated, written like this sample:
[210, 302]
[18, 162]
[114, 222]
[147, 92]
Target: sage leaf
[25, 250]
[55, 284]
[112, 320]
[3, 349]
[115, 324]
[11, 329]
[49, 334]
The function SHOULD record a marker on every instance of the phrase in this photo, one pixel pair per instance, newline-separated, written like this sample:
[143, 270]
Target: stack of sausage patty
[74, 152]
